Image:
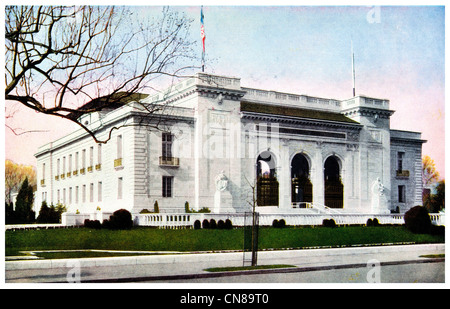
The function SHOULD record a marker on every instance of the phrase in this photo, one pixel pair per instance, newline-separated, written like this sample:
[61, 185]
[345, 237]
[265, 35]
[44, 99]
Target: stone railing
[177, 220]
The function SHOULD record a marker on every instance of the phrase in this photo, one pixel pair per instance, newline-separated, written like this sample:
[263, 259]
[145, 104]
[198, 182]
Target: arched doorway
[267, 184]
[334, 189]
[301, 186]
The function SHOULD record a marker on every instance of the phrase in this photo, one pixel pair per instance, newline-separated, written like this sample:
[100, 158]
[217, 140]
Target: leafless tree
[68, 61]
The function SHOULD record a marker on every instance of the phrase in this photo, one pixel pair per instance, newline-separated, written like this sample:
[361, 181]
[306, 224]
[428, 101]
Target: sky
[399, 56]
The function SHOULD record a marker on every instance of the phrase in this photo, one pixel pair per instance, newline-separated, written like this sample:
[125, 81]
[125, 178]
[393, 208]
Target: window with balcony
[119, 152]
[401, 172]
[167, 158]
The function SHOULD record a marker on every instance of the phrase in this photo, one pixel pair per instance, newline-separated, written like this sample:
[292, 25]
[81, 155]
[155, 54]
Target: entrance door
[334, 189]
[301, 186]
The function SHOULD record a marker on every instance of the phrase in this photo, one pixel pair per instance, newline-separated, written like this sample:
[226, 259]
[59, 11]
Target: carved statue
[221, 182]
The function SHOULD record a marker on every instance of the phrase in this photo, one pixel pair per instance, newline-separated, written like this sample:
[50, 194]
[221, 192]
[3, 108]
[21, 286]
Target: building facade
[214, 144]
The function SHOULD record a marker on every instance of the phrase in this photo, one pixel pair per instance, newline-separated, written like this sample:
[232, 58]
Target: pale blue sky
[399, 55]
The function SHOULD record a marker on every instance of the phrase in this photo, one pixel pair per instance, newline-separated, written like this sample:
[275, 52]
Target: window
[70, 195]
[401, 194]
[44, 196]
[91, 193]
[76, 160]
[119, 147]
[167, 183]
[84, 194]
[70, 163]
[99, 188]
[400, 157]
[83, 159]
[99, 154]
[91, 156]
[58, 162]
[43, 170]
[58, 196]
[64, 166]
[77, 193]
[119, 188]
[64, 196]
[167, 145]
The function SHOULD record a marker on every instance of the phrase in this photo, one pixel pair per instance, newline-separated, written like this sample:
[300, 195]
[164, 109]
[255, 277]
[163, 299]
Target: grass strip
[240, 268]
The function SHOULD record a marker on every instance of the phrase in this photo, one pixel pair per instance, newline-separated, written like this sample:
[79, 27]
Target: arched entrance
[301, 186]
[334, 189]
[267, 184]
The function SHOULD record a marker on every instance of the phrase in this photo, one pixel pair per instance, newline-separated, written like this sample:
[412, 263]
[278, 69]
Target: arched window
[301, 186]
[267, 183]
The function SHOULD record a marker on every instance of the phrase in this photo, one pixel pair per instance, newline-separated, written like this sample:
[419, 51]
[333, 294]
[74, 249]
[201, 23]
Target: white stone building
[215, 140]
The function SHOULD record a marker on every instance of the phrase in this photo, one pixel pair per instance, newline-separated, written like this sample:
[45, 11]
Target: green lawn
[147, 239]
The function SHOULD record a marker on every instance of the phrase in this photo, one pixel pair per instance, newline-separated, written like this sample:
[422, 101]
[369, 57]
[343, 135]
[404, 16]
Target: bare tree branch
[85, 59]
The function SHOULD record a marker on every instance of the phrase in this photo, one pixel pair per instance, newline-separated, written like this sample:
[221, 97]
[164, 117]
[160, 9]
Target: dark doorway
[334, 189]
[267, 184]
[301, 186]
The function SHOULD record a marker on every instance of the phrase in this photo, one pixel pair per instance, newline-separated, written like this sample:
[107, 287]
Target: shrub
[373, 222]
[156, 207]
[279, 223]
[92, 224]
[417, 220]
[197, 225]
[220, 225]
[212, 224]
[228, 224]
[205, 224]
[328, 223]
[121, 219]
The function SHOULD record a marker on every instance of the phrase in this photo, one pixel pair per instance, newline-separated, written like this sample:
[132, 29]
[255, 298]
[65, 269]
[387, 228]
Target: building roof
[294, 112]
[109, 102]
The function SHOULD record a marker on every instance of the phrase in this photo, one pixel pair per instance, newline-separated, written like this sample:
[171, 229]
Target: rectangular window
[99, 154]
[83, 159]
[119, 188]
[84, 194]
[91, 156]
[43, 170]
[99, 191]
[64, 166]
[64, 196]
[400, 157]
[58, 162]
[58, 196]
[119, 147]
[167, 139]
[77, 194]
[167, 184]
[401, 194]
[70, 163]
[91, 193]
[76, 160]
[70, 195]
[44, 196]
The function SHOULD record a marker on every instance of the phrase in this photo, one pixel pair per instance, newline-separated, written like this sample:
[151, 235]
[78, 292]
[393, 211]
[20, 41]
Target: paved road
[402, 264]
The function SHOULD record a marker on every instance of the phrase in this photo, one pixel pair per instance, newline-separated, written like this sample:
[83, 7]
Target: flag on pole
[202, 33]
[202, 29]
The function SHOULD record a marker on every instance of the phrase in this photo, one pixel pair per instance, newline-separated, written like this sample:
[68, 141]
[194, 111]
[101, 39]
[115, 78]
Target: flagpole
[202, 33]
[353, 69]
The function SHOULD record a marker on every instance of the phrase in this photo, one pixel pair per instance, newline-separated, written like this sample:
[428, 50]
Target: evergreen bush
[417, 220]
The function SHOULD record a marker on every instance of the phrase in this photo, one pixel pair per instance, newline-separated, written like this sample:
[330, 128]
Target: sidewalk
[135, 268]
